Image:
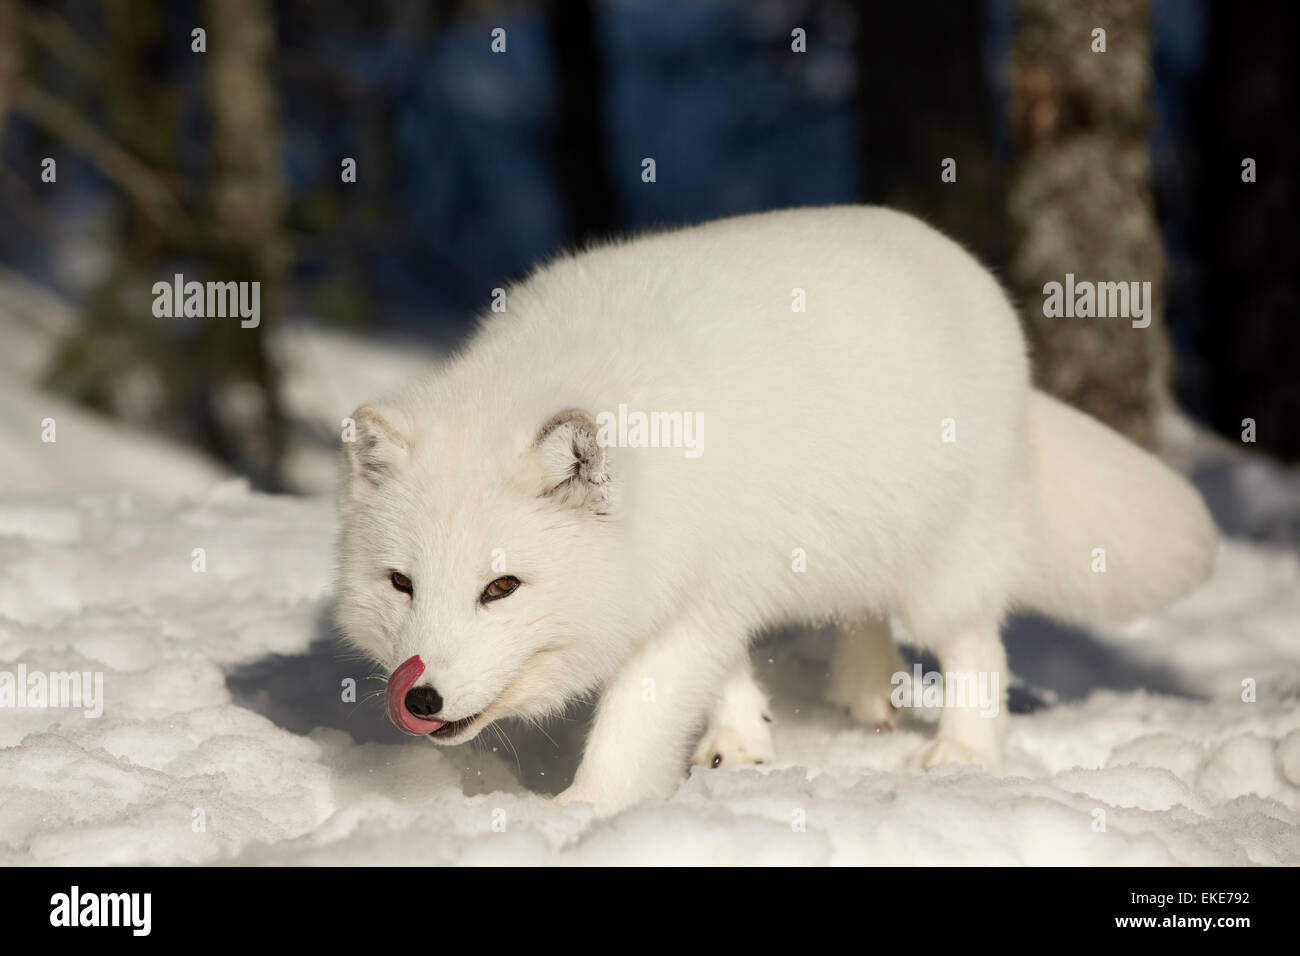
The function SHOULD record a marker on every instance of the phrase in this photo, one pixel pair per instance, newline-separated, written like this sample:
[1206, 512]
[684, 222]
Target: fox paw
[948, 751]
[727, 746]
[874, 710]
[739, 730]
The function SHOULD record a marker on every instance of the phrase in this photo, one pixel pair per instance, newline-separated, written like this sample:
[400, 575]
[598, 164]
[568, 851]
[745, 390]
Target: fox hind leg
[863, 664]
[973, 724]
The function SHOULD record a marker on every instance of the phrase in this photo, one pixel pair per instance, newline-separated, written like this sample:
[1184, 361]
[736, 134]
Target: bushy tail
[1093, 489]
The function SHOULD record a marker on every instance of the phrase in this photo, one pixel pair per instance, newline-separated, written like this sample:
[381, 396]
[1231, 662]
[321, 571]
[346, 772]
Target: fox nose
[423, 701]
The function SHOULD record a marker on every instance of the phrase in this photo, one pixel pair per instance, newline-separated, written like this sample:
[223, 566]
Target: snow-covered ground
[225, 735]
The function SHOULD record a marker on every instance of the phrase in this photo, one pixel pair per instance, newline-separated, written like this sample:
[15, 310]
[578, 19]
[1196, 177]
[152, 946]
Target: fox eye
[501, 587]
[401, 582]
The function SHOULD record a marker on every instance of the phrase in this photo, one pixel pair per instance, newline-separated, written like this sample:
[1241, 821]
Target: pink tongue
[403, 680]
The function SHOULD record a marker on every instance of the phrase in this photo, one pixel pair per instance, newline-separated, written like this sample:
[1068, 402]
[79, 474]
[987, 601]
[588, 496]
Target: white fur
[646, 571]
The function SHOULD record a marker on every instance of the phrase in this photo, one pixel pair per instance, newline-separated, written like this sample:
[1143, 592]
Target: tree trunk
[581, 146]
[1080, 202]
[1248, 238]
[247, 197]
[923, 98]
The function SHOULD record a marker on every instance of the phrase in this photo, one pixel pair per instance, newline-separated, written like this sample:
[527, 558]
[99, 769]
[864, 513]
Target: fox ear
[575, 470]
[376, 445]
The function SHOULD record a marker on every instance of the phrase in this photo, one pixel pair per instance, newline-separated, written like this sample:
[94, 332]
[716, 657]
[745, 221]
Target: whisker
[505, 738]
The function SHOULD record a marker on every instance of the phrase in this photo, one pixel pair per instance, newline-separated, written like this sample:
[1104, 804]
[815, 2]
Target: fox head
[480, 569]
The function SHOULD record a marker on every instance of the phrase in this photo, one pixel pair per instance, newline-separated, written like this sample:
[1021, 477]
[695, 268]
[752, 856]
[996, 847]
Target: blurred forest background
[472, 165]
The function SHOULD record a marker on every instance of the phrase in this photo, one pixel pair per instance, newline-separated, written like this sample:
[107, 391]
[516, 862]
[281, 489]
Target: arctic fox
[878, 451]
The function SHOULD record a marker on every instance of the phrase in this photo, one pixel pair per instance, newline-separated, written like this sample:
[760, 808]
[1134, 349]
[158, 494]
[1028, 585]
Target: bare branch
[147, 188]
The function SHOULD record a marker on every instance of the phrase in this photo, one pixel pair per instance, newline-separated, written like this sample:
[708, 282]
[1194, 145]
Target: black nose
[423, 701]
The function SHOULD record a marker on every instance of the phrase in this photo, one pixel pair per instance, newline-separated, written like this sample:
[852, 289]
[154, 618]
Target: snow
[226, 737]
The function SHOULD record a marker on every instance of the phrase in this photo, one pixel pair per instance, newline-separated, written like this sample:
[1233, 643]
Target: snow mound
[227, 735]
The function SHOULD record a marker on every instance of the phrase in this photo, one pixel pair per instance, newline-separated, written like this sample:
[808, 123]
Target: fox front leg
[649, 715]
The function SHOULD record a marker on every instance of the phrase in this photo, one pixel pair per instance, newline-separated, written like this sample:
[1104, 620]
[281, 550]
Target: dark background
[474, 165]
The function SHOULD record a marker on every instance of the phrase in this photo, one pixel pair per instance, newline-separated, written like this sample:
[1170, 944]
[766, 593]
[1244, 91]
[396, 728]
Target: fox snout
[413, 709]
[416, 710]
